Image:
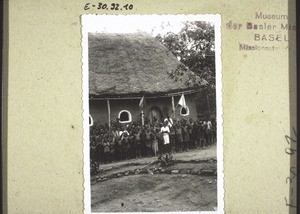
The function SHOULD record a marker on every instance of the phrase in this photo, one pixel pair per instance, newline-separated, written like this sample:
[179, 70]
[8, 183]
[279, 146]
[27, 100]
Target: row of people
[120, 142]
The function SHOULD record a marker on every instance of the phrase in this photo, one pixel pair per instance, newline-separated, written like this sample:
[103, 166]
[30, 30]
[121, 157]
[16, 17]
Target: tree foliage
[194, 46]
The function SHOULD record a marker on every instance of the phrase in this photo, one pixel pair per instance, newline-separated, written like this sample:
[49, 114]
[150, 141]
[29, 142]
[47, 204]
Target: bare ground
[142, 193]
[157, 192]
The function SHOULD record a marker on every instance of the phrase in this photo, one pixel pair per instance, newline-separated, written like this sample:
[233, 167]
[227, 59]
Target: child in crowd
[137, 142]
[106, 151]
[172, 139]
[178, 137]
[148, 140]
[143, 142]
[155, 141]
[126, 145]
[185, 137]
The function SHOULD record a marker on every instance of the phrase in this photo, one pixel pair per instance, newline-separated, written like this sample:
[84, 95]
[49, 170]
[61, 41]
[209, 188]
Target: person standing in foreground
[165, 130]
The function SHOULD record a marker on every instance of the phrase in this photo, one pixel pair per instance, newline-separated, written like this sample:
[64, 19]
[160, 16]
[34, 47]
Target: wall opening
[91, 121]
[184, 111]
[124, 116]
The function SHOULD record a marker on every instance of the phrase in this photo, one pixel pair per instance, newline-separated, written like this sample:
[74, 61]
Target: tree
[194, 46]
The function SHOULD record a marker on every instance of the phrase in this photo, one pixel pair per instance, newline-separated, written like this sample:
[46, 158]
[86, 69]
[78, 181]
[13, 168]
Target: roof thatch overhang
[146, 95]
[132, 65]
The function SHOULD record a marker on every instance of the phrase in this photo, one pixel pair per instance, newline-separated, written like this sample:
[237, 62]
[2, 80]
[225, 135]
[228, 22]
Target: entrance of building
[155, 115]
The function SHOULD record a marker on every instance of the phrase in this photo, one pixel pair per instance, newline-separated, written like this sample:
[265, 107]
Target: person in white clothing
[165, 130]
[209, 133]
[169, 121]
[122, 132]
[209, 125]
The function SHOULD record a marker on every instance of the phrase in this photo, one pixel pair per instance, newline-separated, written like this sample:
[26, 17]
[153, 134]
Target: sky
[152, 24]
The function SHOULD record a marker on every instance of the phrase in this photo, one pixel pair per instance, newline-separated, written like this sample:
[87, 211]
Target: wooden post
[141, 105]
[173, 107]
[208, 104]
[108, 112]
[143, 119]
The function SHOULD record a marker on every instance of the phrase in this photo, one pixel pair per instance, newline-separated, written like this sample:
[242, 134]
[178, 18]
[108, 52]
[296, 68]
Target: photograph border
[216, 19]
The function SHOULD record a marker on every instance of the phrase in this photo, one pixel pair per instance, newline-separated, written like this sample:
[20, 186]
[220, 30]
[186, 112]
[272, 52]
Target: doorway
[155, 114]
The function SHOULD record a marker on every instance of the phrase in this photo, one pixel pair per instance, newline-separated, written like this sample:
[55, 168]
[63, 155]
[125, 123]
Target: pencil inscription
[292, 178]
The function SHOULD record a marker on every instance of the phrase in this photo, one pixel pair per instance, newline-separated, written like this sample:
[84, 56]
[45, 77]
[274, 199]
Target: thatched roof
[130, 64]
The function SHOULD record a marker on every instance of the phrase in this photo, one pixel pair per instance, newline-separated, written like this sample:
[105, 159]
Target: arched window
[91, 122]
[124, 116]
[184, 111]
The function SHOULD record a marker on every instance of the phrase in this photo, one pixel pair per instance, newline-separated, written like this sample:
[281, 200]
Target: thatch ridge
[130, 64]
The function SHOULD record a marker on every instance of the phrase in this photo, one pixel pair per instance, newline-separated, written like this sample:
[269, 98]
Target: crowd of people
[122, 142]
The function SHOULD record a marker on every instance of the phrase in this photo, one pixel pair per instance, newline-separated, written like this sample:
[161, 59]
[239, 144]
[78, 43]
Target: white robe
[166, 135]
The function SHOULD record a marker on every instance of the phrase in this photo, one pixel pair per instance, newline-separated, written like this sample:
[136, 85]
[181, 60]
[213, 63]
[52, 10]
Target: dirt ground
[157, 192]
[142, 193]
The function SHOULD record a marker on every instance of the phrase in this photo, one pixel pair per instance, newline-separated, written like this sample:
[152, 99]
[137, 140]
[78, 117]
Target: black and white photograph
[152, 113]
